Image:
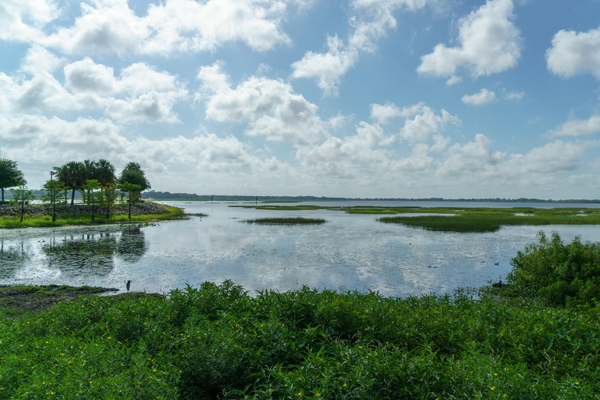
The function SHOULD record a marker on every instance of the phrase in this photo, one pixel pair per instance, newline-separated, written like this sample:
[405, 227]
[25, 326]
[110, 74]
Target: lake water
[349, 252]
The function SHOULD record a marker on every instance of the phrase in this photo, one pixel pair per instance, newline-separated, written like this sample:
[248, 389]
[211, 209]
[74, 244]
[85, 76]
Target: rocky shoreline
[147, 208]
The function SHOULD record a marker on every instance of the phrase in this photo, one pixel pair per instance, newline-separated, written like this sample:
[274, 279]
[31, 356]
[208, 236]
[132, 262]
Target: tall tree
[133, 173]
[53, 195]
[132, 193]
[109, 196]
[10, 175]
[73, 175]
[92, 185]
[104, 172]
[22, 196]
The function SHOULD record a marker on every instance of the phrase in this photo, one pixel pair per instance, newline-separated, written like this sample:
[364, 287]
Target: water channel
[349, 252]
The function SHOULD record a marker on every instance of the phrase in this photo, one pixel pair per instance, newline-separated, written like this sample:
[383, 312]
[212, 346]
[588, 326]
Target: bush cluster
[217, 342]
[562, 274]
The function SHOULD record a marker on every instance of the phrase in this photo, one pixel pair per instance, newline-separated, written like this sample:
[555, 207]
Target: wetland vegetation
[464, 219]
[286, 221]
[217, 341]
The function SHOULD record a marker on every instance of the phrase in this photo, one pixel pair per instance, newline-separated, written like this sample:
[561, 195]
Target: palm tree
[104, 172]
[72, 174]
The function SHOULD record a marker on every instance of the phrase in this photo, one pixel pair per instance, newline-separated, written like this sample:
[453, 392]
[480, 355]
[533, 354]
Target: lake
[349, 252]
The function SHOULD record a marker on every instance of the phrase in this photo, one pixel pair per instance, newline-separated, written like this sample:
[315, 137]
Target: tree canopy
[134, 174]
[10, 175]
[73, 174]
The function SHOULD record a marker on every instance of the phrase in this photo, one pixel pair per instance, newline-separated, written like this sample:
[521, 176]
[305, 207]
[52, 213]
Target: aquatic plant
[286, 221]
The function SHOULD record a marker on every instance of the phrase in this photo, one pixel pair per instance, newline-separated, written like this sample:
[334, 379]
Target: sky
[340, 98]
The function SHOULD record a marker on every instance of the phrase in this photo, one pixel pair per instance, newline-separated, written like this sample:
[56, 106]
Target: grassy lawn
[63, 220]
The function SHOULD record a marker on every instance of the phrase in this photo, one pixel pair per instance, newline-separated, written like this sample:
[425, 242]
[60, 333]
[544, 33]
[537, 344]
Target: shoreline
[82, 216]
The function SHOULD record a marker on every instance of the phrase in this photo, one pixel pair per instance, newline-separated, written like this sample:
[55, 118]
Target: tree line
[95, 180]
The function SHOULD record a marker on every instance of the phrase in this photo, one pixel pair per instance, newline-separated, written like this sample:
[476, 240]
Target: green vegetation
[218, 342]
[46, 221]
[464, 219]
[286, 221]
[10, 176]
[560, 274]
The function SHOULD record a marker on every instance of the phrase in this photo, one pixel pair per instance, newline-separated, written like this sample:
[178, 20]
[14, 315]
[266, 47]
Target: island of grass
[286, 221]
[535, 338]
[81, 215]
[452, 219]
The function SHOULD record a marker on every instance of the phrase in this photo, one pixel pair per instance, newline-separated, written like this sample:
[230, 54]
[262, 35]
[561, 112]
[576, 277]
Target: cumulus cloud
[489, 43]
[110, 26]
[513, 96]
[350, 157]
[552, 158]
[578, 127]
[23, 20]
[470, 157]
[271, 107]
[39, 140]
[479, 99]
[139, 93]
[425, 123]
[376, 18]
[574, 53]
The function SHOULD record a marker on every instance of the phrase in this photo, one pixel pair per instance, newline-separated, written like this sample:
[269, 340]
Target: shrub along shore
[218, 342]
[79, 214]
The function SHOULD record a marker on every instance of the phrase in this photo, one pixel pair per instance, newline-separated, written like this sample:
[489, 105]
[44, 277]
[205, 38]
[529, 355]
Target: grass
[286, 221]
[68, 220]
[487, 223]
[217, 342]
[465, 219]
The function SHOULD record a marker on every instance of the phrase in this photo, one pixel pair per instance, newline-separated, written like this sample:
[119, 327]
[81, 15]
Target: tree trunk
[22, 211]
[2, 195]
[73, 197]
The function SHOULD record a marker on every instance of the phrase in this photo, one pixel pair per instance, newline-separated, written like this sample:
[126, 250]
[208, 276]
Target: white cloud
[578, 127]
[270, 106]
[23, 20]
[328, 67]
[110, 26]
[489, 43]
[40, 141]
[140, 93]
[471, 157]
[425, 123]
[106, 26]
[350, 157]
[552, 158]
[384, 113]
[513, 95]
[574, 53]
[479, 99]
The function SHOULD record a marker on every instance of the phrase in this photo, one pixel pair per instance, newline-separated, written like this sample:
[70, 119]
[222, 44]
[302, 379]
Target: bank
[79, 214]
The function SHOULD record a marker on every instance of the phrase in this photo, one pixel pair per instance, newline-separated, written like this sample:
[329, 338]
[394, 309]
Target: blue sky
[357, 98]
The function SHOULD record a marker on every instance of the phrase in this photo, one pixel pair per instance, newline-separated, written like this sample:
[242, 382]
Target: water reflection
[12, 258]
[91, 254]
[132, 244]
[354, 252]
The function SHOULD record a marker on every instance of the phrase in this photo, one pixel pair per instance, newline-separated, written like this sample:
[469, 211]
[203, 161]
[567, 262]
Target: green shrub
[561, 274]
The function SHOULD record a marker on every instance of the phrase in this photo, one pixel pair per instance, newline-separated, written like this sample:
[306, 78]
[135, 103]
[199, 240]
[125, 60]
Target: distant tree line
[95, 180]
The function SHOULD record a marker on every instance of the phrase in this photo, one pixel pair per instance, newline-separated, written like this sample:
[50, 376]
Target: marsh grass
[65, 220]
[286, 221]
[217, 342]
[466, 222]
